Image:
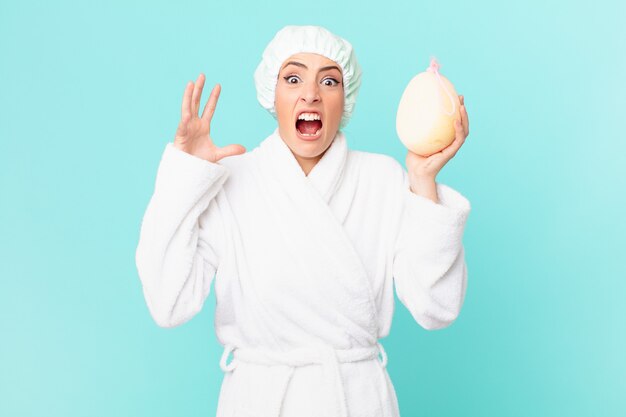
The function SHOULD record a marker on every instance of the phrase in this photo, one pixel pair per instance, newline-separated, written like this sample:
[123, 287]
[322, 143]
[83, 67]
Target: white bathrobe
[303, 269]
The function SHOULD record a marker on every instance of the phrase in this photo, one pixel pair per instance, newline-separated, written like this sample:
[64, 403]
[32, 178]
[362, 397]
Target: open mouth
[309, 125]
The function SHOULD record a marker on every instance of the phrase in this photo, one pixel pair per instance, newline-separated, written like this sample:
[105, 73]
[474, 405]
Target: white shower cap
[291, 40]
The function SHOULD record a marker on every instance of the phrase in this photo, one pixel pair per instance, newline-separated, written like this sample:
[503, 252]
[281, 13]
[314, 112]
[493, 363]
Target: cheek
[280, 103]
[341, 102]
[283, 98]
[337, 106]
[283, 104]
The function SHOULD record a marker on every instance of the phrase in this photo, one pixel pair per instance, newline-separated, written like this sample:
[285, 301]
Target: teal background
[90, 94]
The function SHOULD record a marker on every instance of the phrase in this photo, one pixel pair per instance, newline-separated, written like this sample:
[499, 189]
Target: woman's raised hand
[194, 133]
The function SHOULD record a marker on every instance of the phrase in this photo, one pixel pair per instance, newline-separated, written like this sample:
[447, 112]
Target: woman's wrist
[426, 187]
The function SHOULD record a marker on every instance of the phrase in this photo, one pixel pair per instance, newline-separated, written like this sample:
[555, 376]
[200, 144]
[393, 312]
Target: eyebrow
[299, 64]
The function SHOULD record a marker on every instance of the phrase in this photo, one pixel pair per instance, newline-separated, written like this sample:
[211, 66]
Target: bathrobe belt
[326, 356]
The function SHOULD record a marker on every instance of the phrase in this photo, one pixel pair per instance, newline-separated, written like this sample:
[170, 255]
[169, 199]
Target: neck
[307, 164]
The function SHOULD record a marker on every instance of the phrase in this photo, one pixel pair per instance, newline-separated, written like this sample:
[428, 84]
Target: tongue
[308, 126]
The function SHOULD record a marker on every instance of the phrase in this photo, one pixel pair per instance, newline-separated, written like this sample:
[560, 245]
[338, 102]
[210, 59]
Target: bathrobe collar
[316, 247]
[326, 174]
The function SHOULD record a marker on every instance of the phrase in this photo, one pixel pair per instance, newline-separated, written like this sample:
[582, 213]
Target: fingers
[197, 94]
[464, 117]
[185, 111]
[459, 139]
[460, 134]
[209, 107]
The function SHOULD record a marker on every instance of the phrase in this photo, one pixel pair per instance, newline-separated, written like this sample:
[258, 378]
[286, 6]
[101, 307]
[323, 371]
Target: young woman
[303, 239]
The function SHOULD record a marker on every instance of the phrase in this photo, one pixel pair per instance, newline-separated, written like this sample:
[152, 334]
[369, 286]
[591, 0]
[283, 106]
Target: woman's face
[309, 83]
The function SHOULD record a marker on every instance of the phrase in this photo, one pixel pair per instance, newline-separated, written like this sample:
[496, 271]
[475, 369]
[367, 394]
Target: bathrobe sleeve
[178, 251]
[429, 269]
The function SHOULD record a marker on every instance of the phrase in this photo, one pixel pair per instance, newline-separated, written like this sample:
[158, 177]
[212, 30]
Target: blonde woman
[303, 239]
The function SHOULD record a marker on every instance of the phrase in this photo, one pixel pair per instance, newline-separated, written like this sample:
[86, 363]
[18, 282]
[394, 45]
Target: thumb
[230, 150]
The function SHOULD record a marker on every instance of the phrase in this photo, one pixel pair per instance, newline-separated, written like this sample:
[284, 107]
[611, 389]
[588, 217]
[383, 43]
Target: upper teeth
[309, 116]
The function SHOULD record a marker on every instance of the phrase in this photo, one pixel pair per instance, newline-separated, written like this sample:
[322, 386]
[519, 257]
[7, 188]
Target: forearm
[429, 267]
[175, 265]
[426, 187]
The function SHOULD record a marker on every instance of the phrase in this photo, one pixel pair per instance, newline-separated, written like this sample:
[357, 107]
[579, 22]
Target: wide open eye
[289, 77]
[333, 82]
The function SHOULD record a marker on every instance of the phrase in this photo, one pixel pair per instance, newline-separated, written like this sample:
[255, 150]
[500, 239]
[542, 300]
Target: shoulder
[238, 166]
[379, 180]
[236, 162]
[372, 164]
[243, 174]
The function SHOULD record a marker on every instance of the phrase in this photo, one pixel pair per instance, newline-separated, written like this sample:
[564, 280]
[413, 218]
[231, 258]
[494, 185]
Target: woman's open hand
[423, 168]
[194, 133]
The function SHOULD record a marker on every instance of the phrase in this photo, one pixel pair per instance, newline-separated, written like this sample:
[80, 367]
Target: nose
[310, 92]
